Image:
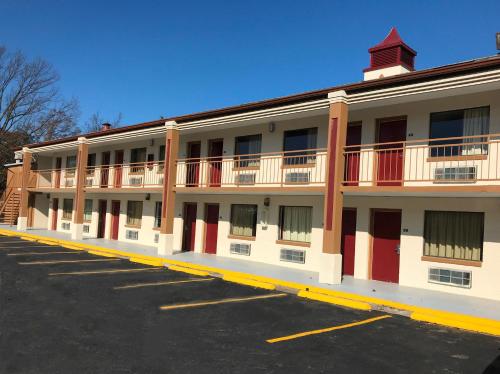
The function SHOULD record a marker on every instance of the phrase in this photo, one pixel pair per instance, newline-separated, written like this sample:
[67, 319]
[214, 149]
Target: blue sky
[148, 59]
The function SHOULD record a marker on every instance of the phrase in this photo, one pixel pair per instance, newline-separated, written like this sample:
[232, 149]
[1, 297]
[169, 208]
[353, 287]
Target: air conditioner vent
[240, 249]
[136, 181]
[68, 183]
[88, 182]
[245, 179]
[132, 235]
[293, 255]
[303, 177]
[455, 174]
[157, 238]
[86, 229]
[65, 225]
[450, 277]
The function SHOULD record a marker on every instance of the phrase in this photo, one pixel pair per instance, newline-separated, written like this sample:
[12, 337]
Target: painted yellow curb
[146, 262]
[48, 242]
[28, 238]
[249, 282]
[188, 270]
[98, 253]
[461, 324]
[72, 247]
[335, 300]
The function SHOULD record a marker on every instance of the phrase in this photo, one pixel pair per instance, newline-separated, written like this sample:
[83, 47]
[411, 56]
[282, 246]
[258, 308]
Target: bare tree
[95, 121]
[30, 101]
[31, 108]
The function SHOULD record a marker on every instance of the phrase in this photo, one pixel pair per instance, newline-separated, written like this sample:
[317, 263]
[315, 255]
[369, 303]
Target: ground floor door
[115, 219]
[189, 229]
[386, 231]
[212, 226]
[55, 208]
[348, 242]
[101, 223]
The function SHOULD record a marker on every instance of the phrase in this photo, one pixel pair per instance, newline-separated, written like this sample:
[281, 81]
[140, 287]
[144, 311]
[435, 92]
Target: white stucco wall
[413, 271]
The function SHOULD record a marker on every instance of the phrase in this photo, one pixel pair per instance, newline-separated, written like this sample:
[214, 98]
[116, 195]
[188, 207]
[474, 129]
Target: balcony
[128, 177]
[52, 179]
[293, 171]
[462, 164]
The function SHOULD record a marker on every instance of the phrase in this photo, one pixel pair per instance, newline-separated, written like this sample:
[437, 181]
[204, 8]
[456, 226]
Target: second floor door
[390, 155]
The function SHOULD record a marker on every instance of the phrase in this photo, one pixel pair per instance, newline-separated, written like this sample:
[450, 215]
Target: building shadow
[494, 367]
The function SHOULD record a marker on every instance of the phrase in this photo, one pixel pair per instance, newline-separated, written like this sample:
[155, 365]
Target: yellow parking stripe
[42, 253]
[315, 332]
[222, 301]
[105, 271]
[138, 285]
[66, 261]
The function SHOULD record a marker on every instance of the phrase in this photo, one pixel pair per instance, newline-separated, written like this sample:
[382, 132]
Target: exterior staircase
[9, 207]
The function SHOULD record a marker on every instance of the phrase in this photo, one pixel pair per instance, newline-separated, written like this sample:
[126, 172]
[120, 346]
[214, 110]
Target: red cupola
[390, 57]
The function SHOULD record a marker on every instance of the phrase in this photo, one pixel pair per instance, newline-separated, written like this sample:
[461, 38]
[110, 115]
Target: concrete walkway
[472, 306]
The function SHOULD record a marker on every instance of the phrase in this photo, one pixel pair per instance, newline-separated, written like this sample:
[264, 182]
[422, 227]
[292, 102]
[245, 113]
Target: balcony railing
[460, 161]
[53, 178]
[279, 169]
[135, 175]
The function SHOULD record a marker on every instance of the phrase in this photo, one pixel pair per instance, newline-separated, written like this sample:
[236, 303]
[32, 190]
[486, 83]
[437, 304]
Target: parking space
[123, 317]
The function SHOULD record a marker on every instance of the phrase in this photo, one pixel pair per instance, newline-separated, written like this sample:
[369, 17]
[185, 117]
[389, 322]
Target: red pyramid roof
[392, 40]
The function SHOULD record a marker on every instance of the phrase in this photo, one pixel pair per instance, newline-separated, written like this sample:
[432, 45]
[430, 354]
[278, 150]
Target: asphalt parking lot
[65, 311]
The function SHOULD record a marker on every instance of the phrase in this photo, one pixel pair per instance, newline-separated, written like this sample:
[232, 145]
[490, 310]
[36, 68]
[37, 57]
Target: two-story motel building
[395, 178]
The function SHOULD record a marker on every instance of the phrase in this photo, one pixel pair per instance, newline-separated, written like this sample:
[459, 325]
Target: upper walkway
[467, 305]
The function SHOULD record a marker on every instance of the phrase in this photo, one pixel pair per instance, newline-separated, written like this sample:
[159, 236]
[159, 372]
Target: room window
[247, 150]
[87, 210]
[67, 208]
[161, 157]
[459, 123]
[134, 213]
[243, 219]
[91, 164]
[295, 223]
[157, 222]
[296, 143]
[70, 165]
[454, 235]
[137, 156]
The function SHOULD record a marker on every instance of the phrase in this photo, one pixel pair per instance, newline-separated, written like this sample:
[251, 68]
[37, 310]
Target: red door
[118, 168]
[115, 219]
[351, 173]
[55, 208]
[189, 230]
[386, 241]
[215, 162]
[57, 176]
[390, 157]
[212, 224]
[106, 159]
[101, 223]
[348, 242]
[193, 164]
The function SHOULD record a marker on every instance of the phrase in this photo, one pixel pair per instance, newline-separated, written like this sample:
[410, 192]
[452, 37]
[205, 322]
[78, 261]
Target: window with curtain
[157, 222]
[243, 219]
[454, 235]
[67, 208]
[87, 210]
[247, 149]
[297, 142]
[134, 213]
[459, 123]
[295, 223]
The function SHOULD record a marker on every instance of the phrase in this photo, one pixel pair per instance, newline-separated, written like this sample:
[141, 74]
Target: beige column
[79, 202]
[331, 264]
[22, 220]
[166, 240]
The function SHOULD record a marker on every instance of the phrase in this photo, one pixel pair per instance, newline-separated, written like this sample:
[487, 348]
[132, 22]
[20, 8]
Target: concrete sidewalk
[373, 292]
